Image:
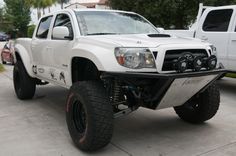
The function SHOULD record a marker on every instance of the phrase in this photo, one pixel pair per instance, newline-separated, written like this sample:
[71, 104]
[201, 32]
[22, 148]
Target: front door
[61, 51]
[232, 49]
[40, 48]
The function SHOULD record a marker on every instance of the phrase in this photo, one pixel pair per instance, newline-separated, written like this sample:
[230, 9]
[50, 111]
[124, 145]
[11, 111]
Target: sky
[1, 3]
[53, 8]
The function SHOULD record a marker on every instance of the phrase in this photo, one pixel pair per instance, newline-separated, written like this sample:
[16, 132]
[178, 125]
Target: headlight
[135, 58]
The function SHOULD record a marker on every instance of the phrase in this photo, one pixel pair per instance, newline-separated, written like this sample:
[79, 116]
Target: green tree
[5, 23]
[167, 13]
[41, 5]
[1, 14]
[1, 18]
[62, 2]
[18, 14]
[30, 31]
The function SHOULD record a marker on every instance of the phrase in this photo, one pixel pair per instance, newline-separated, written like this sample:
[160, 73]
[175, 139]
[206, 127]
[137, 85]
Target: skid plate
[182, 89]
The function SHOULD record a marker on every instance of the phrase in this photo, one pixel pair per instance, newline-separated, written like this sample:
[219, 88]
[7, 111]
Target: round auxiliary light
[212, 62]
[197, 63]
[182, 64]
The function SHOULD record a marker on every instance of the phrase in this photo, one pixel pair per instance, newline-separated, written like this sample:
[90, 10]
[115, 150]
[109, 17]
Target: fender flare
[25, 58]
[89, 56]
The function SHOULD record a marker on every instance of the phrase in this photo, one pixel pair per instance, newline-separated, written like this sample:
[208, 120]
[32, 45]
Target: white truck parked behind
[216, 25]
[114, 62]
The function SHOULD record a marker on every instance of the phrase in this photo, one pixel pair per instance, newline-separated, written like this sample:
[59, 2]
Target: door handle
[204, 38]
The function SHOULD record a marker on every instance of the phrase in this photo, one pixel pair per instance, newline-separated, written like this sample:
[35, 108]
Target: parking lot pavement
[38, 127]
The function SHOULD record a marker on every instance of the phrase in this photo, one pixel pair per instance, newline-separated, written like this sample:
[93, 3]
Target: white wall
[57, 7]
[102, 7]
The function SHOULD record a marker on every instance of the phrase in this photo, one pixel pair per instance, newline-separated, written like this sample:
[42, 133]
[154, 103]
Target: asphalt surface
[37, 127]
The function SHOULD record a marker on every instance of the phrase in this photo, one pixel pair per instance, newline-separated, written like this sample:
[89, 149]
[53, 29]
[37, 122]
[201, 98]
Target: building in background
[98, 4]
[72, 4]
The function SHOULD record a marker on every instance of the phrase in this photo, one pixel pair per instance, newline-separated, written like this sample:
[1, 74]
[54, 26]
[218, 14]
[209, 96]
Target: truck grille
[172, 55]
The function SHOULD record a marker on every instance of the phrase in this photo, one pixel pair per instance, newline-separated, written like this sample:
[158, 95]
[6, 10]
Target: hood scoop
[158, 35]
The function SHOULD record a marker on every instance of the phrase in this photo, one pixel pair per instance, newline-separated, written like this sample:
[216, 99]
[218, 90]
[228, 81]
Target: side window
[64, 20]
[43, 27]
[218, 20]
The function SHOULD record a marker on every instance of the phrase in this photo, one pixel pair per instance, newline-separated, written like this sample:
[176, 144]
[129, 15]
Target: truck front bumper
[175, 88]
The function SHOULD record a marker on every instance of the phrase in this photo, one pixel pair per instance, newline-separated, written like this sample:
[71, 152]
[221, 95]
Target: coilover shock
[117, 98]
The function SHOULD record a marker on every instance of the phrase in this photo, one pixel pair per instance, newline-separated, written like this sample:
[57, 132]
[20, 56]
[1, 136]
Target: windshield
[111, 23]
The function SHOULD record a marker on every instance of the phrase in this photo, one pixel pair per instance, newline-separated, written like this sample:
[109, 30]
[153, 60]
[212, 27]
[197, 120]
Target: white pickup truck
[114, 62]
[216, 25]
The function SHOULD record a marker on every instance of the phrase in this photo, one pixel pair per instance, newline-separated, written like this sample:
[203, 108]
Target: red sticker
[68, 102]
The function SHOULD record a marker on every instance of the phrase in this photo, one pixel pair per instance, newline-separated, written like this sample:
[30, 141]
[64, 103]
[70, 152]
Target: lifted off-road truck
[114, 62]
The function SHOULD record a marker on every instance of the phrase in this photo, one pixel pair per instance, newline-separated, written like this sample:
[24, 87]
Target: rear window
[43, 28]
[218, 20]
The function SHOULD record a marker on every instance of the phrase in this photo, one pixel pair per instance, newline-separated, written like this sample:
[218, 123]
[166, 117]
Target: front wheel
[89, 115]
[24, 85]
[202, 107]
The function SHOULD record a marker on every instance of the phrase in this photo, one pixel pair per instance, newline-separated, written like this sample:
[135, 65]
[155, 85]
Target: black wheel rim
[79, 117]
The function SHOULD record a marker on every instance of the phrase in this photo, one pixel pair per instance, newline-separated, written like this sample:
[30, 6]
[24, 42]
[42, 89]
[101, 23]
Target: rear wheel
[202, 107]
[89, 115]
[24, 84]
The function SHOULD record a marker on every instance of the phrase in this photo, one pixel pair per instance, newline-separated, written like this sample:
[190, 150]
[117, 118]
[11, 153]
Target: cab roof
[102, 10]
[88, 9]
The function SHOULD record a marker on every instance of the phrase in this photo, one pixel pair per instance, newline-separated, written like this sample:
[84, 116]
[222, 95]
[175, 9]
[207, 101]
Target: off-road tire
[89, 115]
[12, 62]
[24, 85]
[202, 107]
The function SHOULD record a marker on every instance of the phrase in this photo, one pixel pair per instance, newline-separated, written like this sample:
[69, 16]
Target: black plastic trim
[165, 76]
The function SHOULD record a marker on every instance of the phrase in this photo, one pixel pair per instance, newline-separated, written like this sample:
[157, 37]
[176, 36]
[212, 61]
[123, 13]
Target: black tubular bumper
[218, 72]
[159, 90]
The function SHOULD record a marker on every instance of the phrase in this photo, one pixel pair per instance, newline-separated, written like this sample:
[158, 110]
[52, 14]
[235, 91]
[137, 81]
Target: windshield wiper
[103, 34]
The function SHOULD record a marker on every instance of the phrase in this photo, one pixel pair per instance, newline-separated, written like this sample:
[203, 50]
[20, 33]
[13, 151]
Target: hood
[143, 40]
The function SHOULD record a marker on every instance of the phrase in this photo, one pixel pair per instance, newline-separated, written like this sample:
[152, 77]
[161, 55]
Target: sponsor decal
[62, 77]
[52, 74]
[41, 70]
[34, 69]
[64, 65]
[188, 55]
[139, 42]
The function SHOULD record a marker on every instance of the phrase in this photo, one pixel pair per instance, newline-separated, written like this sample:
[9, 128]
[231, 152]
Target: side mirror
[61, 33]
